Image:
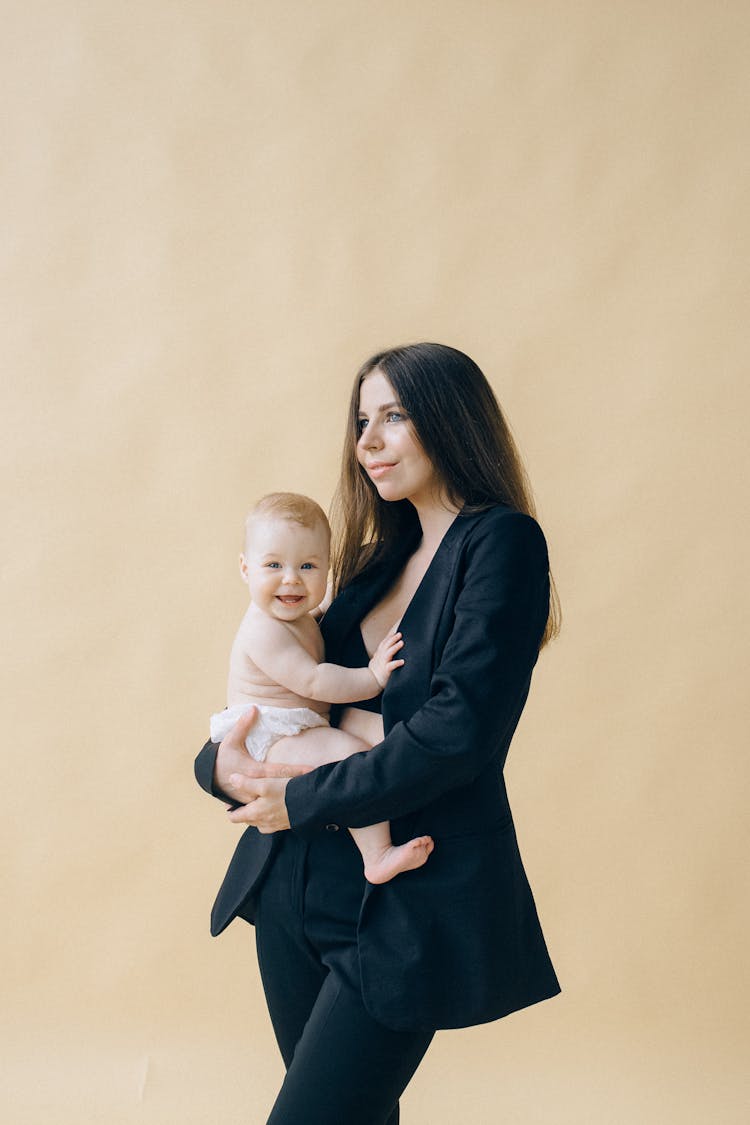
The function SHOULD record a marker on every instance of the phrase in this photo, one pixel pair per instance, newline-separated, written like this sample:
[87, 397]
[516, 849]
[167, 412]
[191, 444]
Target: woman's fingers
[241, 729]
[263, 803]
[250, 813]
[249, 768]
[252, 774]
[245, 788]
[232, 754]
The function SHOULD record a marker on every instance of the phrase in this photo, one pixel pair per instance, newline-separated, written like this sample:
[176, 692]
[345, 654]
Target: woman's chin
[388, 492]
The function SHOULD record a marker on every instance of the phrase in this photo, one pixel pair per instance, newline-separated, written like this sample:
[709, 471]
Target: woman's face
[388, 448]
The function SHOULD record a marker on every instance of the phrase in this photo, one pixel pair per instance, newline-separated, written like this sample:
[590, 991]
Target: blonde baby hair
[289, 506]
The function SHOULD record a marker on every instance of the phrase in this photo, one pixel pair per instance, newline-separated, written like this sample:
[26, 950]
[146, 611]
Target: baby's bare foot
[397, 858]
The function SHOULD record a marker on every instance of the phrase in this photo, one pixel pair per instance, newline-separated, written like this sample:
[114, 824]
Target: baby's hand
[383, 663]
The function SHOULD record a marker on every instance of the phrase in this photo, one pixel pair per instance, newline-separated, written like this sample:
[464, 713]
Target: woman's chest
[388, 612]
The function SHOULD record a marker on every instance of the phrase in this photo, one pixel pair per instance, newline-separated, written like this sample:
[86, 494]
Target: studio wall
[213, 212]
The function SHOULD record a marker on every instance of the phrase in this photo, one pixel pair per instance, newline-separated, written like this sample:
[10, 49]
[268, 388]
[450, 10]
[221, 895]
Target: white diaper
[272, 724]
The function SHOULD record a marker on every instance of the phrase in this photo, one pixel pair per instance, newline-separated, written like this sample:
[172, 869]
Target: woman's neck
[435, 519]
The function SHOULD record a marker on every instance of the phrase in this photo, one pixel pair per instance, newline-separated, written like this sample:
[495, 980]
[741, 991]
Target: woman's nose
[371, 437]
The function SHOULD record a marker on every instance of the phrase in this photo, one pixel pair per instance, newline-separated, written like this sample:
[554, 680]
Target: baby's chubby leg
[382, 858]
[315, 747]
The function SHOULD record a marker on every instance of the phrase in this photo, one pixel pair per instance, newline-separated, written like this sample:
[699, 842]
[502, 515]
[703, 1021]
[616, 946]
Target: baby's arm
[382, 663]
[278, 653]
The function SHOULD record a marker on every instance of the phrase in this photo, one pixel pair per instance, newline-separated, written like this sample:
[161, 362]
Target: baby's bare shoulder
[257, 631]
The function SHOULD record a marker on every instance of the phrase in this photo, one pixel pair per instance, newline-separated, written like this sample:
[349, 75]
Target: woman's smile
[379, 468]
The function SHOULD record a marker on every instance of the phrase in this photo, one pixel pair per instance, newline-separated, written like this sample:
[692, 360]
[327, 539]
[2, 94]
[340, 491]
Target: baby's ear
[243, 568]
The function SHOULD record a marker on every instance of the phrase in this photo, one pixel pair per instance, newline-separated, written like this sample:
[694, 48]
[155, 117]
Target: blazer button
[332, 827]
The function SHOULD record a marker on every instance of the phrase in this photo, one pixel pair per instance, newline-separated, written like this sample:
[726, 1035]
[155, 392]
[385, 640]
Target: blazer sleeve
[477, 690]
[204, 767]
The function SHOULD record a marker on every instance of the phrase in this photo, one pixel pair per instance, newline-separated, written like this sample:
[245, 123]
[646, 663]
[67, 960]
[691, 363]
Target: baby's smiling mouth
[290, 599]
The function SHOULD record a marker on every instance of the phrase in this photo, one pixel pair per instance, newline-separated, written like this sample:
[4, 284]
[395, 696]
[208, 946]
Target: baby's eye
[308, 566]
[273, 565]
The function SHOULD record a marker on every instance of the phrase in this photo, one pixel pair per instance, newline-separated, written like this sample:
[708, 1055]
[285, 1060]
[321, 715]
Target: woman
[436, 532]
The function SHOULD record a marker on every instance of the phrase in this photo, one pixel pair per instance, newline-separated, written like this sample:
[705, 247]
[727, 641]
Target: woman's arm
[477, 691]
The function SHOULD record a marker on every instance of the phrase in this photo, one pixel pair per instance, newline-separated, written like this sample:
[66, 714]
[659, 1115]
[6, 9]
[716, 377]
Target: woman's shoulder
[502, 538]
[505, 522]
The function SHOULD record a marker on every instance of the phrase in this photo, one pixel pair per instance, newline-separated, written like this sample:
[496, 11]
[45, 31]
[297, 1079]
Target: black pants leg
[343, 1067]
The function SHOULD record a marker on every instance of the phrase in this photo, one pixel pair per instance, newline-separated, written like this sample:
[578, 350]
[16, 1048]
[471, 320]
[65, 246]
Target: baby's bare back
[248, 683]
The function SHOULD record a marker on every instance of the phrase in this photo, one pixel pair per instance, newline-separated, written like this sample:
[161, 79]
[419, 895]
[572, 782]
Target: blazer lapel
[358, 598]
[420, 627]
[420, 622]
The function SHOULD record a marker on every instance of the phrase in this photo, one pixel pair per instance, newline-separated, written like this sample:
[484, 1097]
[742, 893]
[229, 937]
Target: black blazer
[458, 941]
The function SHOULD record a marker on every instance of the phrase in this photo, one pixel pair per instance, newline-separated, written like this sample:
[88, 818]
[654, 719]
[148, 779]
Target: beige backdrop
[213, 211]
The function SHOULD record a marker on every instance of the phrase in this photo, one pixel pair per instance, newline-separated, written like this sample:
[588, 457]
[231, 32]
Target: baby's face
[286, 566]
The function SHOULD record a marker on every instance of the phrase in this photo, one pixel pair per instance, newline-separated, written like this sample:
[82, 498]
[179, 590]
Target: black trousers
[343, 1068]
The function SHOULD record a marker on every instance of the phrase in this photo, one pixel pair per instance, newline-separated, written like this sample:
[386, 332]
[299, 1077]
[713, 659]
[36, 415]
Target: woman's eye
[361, 423]
[394, 415]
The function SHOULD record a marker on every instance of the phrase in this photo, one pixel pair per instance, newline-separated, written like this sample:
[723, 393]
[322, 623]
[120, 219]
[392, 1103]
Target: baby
[276, 663]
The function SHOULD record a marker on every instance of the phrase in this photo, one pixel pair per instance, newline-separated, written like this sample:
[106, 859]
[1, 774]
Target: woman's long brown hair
[461, 428]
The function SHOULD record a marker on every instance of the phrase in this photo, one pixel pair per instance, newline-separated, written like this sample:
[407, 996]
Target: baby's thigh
[365, 725]
[315, 747]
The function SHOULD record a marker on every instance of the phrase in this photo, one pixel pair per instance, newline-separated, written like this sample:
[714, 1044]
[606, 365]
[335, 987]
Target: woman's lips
[378, 468]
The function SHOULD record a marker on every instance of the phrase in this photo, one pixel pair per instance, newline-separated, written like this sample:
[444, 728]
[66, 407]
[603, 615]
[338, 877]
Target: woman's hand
[260, 787]
[264, 797]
